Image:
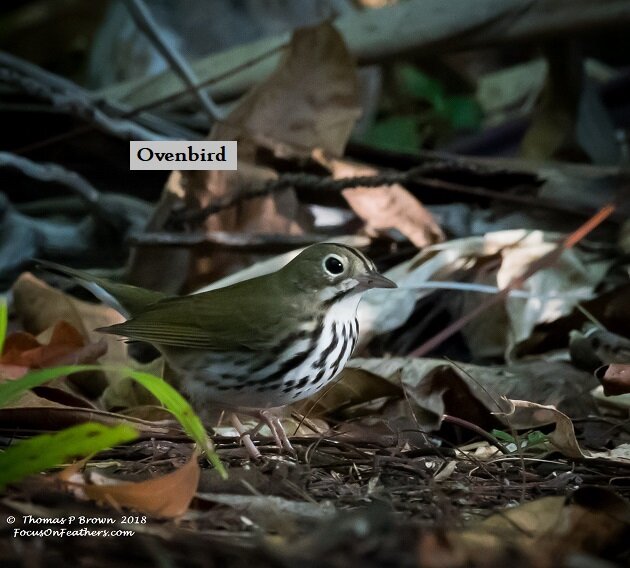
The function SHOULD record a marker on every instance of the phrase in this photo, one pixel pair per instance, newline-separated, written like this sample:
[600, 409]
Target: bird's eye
[333, 265]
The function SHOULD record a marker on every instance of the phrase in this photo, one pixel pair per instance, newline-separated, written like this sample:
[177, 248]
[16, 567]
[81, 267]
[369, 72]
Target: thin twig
[493, 440]
[147, 24]
[486, 289]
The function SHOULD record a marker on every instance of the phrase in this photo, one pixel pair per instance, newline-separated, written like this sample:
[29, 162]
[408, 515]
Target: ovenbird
[258, 344]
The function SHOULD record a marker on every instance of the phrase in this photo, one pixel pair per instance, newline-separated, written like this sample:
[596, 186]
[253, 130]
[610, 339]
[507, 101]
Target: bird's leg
[266, 418]
[245, 436]
[277, 430]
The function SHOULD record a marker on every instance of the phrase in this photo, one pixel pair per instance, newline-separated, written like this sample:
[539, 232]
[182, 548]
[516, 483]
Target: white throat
[345, 309]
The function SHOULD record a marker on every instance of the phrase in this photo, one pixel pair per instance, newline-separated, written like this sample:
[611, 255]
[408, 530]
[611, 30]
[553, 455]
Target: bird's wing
[220, 320]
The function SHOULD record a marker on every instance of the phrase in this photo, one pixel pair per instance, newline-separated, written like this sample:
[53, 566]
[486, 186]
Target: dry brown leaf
[66, 346]
[310, 101]
[40, 307]
[555, 290]
[8, 372]
[167, 496]
[60, 396]
[615, 379]
[22, 348]
[478, 393]
[541, 533]
[387, 207]
[36, 398]
[563, 437]
[354, 387]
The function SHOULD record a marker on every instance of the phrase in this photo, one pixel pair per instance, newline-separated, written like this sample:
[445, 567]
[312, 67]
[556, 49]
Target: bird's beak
[375, 280]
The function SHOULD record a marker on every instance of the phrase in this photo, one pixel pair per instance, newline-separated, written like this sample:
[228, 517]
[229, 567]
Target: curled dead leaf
[41, 307]
[66, 346]
[22, 348]
[563, 437]
[167, 496]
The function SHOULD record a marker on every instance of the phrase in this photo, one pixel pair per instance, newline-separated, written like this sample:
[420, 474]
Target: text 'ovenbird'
[258, 344]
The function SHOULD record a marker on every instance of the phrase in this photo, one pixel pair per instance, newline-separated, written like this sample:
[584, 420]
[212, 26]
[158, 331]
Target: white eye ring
[334, 265]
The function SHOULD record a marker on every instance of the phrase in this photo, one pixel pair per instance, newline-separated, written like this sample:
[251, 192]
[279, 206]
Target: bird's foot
[277, 431]
[266, 418]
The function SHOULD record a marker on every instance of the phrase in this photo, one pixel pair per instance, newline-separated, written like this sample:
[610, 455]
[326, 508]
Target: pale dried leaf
[618, 405]
[387, 207]
[547, 295]
[563, 437]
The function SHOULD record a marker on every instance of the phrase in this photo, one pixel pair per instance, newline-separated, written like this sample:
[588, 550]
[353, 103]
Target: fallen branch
[423, 176]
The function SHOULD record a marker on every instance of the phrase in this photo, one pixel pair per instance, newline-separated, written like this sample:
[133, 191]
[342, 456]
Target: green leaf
[459, 111]
[418, 85]
[165, 393]
[49, 450]
[10, 390]
[536, 437]
[3, 323]
[503, 436]
[177, 405]
[398, 133]
[463, 113]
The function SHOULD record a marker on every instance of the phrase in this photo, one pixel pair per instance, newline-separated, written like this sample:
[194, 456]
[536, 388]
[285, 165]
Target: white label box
[182, 155]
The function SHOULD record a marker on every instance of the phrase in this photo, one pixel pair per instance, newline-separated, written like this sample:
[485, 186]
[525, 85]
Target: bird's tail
[124, 298]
